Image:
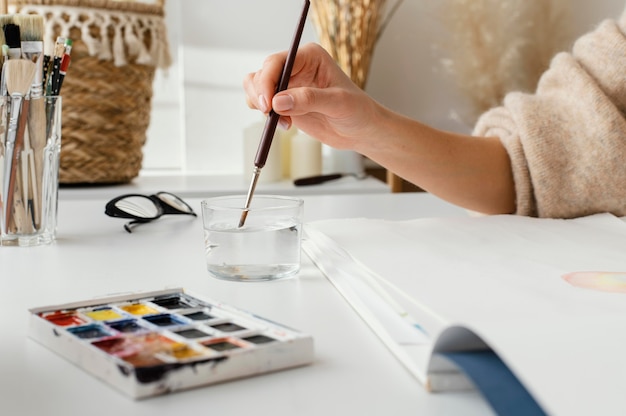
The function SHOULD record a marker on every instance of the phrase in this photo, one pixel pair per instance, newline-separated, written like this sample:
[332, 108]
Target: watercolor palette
[161, 342]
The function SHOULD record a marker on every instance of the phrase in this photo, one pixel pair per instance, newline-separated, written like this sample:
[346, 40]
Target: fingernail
[283, 102]
[284, 124]
[263, 104]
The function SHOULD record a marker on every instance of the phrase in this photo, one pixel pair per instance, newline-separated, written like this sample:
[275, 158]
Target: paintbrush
[4, 20]
[65, 64]
[53, 77]
[46, 70]
[2, 43]
[272, 120]
[52, 83]
[13, 40]
[5, 58]
[19, 76]
[319, 179]
[2, 107]
[19, 221]
[31, 34]
[31, 43]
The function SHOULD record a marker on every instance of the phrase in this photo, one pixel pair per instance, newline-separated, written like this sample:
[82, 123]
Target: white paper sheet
[502, 277]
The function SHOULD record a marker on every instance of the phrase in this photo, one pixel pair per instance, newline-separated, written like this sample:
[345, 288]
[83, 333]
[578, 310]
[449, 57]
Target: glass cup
[267, 247]
[30, 146]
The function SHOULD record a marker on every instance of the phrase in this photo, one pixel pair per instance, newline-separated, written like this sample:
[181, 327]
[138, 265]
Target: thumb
[301, 101]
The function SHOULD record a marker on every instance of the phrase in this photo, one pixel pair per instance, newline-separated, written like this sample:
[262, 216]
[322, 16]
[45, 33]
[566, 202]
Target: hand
[321, 100]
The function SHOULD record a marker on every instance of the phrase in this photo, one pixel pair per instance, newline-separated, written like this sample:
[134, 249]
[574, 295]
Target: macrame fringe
[119, 36]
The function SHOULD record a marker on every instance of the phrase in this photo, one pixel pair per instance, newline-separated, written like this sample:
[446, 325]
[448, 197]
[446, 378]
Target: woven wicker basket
[117, 46]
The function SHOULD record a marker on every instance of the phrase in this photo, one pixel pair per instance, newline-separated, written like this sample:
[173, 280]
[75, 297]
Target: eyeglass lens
[174, 201]
[139, 206]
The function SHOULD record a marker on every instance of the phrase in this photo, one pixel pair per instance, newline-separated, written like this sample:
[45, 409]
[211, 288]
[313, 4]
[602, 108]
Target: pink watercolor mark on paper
[602, 281]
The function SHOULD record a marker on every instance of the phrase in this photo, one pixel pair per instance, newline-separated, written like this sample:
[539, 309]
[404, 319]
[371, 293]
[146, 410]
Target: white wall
[406, 75]
[199, 109]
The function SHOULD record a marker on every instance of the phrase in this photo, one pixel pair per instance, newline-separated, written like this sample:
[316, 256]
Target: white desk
[203, 186]
[353, 373]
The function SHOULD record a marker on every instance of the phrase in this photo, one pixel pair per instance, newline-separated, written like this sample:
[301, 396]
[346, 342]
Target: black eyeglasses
[145, 208]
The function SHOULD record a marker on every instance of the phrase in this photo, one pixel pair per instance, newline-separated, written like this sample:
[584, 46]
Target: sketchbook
[547, 296]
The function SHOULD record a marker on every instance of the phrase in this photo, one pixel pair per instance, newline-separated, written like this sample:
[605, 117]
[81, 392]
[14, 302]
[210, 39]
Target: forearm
[472, 172]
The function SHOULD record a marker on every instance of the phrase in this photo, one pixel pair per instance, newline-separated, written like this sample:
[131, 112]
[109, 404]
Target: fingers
[317, 84]
[285, 122]
[331, 102]
[257, 101]
[283, 102]
[254, 100]
[261, 85]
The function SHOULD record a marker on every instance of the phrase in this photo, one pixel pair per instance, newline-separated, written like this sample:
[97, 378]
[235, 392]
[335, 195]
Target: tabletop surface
[353, 372]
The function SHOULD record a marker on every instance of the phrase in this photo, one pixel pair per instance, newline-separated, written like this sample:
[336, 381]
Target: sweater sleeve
[567, 141]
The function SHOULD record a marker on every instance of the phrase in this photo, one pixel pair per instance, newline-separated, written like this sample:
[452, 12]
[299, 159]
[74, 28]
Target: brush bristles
[12, 35]
[6, 19]
[31, 27]
[19, 75]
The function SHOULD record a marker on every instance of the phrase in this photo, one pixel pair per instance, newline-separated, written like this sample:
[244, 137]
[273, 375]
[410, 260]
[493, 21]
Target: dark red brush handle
[272, 119]
[316, 180]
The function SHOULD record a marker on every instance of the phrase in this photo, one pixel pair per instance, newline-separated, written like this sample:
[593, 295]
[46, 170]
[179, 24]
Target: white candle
[306, 156]
[285, 149]
[272, 171]
[342, 161]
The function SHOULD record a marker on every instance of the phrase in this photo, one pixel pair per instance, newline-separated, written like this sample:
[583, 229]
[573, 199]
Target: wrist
[382, 125]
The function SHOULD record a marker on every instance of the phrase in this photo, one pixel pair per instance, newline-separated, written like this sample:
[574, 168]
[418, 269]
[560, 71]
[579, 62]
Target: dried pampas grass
[349, 29]
[498, 46]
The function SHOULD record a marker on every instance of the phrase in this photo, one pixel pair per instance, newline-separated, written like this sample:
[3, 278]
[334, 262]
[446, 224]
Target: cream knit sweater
[567, 142]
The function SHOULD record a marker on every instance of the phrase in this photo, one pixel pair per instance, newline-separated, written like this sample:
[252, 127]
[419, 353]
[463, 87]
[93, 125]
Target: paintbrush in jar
[13, 40]
[19, 74]
[52, 83]
[65, 64]
[31, 44]
[53, 76]
[31, 35]
[3, 57]
[272, 120]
